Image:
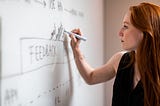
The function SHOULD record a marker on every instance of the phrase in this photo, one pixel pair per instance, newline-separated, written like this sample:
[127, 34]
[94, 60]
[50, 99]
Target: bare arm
[106, 71]
[94, 75]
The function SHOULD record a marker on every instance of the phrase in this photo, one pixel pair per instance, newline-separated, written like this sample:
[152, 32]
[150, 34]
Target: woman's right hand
[74, 41]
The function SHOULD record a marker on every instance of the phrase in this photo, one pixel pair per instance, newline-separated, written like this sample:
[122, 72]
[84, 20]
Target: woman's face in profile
[129, 35]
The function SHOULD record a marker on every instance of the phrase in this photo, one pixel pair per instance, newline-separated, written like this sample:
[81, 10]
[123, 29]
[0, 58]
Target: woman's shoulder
[116, 58]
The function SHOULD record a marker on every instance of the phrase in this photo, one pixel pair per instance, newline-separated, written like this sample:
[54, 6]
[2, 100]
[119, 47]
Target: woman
[137, 71]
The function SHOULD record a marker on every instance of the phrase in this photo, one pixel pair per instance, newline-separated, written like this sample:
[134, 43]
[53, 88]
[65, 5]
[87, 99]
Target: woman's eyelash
[125, 26]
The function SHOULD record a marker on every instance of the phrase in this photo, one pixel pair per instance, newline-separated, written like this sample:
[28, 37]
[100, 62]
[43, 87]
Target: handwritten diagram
[55, 5]
[39, 52]
[44, 71]
[57, 95]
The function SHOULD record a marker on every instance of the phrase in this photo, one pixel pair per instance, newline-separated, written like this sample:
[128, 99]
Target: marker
[76, 35]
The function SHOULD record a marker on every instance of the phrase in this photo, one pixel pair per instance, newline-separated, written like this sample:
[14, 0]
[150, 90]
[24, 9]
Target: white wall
[37, 67]
[114, 12]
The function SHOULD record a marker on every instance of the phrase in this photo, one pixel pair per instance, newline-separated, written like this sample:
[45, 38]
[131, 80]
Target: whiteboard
[37, 64]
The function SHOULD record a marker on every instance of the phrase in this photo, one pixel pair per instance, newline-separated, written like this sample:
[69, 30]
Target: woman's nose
[120, 33]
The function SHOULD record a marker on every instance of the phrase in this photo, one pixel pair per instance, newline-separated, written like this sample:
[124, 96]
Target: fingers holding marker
[73, 32]
[77, 31]
[73, 37]
[77, 34]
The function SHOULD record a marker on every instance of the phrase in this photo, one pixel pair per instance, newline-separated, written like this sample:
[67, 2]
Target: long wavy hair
[146, 17]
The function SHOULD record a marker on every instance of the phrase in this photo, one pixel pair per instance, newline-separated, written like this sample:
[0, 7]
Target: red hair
[146, 17]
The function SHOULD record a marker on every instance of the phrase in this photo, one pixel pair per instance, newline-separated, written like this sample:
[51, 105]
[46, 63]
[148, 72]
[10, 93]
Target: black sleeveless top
[123, 92]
